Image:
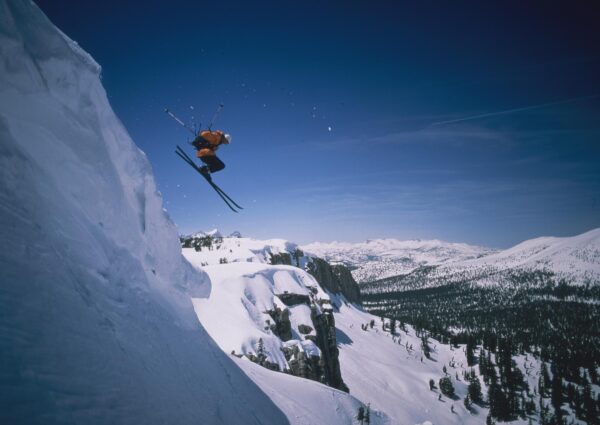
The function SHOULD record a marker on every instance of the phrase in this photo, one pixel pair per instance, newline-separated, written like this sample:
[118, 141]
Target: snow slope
[380, 258]
[575, 258]
[235, 313]
[97, 325]
[306, 402]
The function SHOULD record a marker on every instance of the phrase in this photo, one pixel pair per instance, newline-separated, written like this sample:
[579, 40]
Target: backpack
[201, 143]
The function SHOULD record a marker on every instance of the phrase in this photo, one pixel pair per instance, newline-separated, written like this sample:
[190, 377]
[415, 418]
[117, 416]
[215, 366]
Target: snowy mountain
[204, 250]
[576, 258]
[268, 314]
[540, 296]
[214, 233]
[380, 258]
[97, 323]
[240, 314]
[573, 260]
[104, 321]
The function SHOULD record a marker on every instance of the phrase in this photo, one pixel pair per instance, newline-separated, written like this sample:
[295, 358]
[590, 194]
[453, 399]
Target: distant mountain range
[214, 233]
[381, 258]
[576, 258]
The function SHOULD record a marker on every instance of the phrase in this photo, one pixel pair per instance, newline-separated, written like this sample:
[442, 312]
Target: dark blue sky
[463, 121]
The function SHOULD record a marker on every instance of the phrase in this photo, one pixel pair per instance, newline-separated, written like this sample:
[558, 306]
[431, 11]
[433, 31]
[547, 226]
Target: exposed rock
[309, 367]
[294, 299]
[261, 360]
[326, 368]
[325, 326]
[349, 287]
[281, 258]
[336, 279]
[282, 326]
[304, 329]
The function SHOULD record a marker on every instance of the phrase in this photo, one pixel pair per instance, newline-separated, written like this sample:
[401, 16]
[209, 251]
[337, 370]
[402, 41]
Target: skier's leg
[214, 163]
[217, 165]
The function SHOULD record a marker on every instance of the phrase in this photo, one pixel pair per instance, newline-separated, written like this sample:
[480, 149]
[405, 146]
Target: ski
[228, 201]
[217, 189]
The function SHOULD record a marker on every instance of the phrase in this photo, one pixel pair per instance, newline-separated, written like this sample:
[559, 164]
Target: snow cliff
[97, 325]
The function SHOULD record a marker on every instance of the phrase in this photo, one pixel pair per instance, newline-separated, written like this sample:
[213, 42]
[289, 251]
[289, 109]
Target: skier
[206, 144]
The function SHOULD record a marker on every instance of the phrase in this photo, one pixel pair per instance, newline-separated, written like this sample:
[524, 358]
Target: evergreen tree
[361, 414]
[474, 390]
[467, 402]
[499, 407]
[557, 395]
[446, 387]
[260, 351]
[425, 347]
[589, 405]
[470, 350]
[393, 326]
[544, 380]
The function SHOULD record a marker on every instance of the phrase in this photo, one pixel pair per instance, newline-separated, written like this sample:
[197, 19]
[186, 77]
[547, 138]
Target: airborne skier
[206, 144]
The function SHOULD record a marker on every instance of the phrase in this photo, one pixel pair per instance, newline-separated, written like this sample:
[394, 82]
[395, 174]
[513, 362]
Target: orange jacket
[214, 139]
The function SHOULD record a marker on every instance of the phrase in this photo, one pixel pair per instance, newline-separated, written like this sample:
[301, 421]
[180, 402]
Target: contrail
[510, 111]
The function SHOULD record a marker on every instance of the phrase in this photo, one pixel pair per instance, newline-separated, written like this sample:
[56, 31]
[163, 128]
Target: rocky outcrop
[349, 287]
[284, 258]
[282, 327]
[294, 299]
[324, 368]
[309, 367]
[304, 329]
[336, 279]
[326, 341]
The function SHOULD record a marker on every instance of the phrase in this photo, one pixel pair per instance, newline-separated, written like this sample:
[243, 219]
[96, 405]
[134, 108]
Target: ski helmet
[228, 138]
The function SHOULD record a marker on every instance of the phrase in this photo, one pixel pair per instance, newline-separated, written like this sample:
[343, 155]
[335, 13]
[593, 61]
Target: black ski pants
[214, 163]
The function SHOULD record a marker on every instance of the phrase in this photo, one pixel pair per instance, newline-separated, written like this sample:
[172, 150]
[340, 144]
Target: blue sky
[467, 121]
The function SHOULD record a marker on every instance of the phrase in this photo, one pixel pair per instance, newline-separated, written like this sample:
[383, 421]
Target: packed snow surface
[97, 323]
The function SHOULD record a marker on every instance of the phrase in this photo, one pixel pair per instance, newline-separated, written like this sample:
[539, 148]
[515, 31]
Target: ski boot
[205, 171]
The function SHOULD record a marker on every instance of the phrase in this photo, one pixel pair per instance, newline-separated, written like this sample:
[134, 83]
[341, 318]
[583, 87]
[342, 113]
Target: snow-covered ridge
[236, 249]
[575, 258]
[380, 258]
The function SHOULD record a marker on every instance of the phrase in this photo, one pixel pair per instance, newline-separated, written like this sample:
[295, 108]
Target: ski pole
[215, 115]
[180, 122]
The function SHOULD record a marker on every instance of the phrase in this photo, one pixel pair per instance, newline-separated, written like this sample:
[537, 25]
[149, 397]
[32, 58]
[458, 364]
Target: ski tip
[167, 110]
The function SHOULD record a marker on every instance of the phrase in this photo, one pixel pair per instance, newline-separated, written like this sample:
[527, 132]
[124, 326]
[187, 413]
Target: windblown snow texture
[96, 322]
